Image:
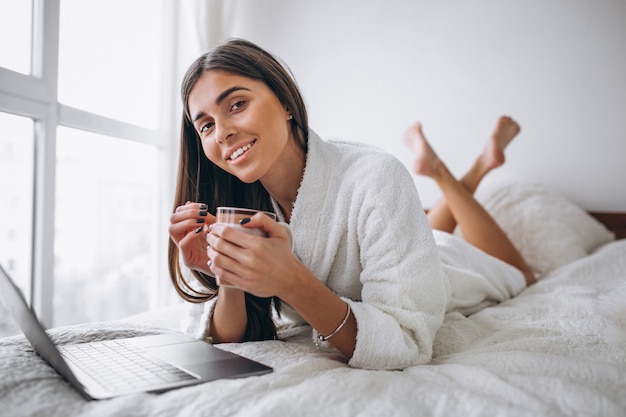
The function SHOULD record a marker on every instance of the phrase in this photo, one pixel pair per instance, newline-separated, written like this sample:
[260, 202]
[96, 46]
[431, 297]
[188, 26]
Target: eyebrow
[221, 98]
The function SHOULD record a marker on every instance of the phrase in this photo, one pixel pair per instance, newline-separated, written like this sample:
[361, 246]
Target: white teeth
[240, 151]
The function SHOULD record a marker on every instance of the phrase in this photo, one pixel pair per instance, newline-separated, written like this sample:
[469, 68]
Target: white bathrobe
[359, 226]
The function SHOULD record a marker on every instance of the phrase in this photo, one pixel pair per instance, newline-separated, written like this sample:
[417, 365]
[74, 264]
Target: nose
[223, 131]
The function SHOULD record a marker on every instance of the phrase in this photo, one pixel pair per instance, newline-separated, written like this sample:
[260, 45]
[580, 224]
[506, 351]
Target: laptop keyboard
[120, 365]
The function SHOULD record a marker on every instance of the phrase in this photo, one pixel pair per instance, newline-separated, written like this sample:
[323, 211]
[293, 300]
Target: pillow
[548, 229]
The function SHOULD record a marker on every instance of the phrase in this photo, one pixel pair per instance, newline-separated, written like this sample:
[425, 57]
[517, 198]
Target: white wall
[370, 68]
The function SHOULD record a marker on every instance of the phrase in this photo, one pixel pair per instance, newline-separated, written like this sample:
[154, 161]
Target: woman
[365, 271]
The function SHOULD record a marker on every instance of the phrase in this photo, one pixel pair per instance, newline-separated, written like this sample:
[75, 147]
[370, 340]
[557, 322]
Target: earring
[291, 117]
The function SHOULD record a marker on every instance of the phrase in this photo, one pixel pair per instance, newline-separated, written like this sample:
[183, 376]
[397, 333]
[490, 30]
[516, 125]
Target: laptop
[112, 368]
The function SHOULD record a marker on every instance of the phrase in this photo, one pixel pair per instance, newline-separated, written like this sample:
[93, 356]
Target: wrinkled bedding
[557, 349]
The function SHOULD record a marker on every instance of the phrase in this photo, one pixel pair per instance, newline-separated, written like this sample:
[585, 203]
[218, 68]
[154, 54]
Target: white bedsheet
[558, 349]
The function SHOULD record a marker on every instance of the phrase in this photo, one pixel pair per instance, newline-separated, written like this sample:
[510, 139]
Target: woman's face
[242, 125]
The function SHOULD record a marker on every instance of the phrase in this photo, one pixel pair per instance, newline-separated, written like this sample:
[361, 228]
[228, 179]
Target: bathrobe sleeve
[403, 296]
[359, 226]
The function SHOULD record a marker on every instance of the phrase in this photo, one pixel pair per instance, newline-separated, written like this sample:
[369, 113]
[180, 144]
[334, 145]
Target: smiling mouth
[241, 151]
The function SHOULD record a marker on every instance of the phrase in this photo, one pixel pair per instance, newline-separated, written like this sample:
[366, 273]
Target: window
[106, 64]
[15, 35]
[105, 249]
[85, 127]
[16, 210]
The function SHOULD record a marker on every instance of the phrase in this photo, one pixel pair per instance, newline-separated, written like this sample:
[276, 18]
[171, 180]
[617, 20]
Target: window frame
[35, 96]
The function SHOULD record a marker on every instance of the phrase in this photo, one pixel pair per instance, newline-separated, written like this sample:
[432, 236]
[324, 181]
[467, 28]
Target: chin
[248, 179]
[248, 175]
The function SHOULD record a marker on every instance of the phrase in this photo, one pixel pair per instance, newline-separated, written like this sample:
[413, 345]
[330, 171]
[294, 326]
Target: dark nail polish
[244, 221]
[203, 206]
[202, 213]
[199, 220]
[199, 229]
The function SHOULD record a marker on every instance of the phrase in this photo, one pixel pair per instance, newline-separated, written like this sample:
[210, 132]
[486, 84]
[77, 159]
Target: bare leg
[478, 227]
[440, 216]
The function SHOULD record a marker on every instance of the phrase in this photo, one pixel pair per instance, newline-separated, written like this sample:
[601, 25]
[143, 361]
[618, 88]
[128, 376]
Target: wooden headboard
[615, 221]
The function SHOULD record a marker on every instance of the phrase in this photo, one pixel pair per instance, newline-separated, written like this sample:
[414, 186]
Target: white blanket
[557, 349]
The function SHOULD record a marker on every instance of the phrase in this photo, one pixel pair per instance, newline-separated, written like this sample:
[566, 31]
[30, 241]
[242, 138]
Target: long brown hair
[202, 181]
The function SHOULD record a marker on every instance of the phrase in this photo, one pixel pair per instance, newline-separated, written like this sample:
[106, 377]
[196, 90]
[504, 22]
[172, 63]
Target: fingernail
[203, 206]
[244, 221]
[209, 263]
[202, 213]
[199, 220]
[210, 227]
[199, 229]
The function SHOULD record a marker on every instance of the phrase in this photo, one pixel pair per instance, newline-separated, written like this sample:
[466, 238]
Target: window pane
[15, 35]
[106, 218]
[110, 58]
[16, 205]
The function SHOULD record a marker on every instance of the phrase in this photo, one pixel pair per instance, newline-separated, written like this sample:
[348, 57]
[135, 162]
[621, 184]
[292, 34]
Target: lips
[240, 151]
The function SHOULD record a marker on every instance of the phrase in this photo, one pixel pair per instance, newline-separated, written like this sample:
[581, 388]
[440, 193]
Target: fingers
[232, 252]
[197, 210]
[260, 221]
[190, 217]
[188, 228]
[221, 249]
[247, 260]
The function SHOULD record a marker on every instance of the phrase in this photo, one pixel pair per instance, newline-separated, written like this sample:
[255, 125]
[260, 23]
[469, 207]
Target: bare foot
[426, 160]
[493, 155]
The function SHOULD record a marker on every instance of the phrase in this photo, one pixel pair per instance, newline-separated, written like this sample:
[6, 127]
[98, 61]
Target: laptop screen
[15, 302]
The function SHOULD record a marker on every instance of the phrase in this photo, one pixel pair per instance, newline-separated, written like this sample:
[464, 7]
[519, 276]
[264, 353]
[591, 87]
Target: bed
[557, 349]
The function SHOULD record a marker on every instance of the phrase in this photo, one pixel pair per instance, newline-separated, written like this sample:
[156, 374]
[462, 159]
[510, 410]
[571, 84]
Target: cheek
[274, 125]
[211, 151]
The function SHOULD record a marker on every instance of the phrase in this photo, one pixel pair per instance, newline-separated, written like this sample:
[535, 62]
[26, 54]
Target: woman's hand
[188, 231]
[260, 265]
[265, 267]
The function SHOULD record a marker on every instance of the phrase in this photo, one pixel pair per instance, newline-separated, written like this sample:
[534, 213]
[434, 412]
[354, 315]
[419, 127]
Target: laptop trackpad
[189, 353]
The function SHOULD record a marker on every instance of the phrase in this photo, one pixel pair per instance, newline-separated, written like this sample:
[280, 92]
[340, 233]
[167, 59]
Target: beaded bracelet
[319, 339]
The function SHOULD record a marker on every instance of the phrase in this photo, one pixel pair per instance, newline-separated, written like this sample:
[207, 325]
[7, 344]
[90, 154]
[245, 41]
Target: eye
[239, 104]
[206, 127]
